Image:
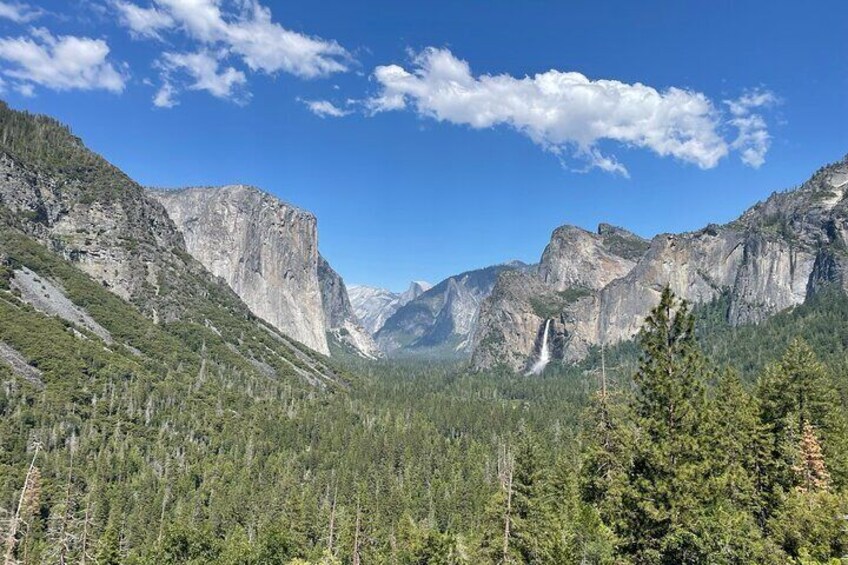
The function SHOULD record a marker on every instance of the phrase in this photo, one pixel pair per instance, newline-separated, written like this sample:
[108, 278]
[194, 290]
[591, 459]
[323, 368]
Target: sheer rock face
[579, 258]
[340, 319]
[575, 265]
[775, 255]
[266, 251]
[508, 324]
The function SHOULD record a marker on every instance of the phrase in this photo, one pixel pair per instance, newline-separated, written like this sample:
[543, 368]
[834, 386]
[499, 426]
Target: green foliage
[552, 305]
[628, 247]
[185, 453]
[50, 148]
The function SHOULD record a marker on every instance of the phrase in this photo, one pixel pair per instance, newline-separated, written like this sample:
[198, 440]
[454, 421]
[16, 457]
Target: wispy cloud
[205, 72]
[753, 140]
[19, 13]
[569, 114]
[143, 22]
[58, 63]
[325, 108]
[241, 30]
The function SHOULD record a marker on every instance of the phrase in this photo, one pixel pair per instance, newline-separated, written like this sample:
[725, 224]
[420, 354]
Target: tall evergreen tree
[795, 391]
[666, 483]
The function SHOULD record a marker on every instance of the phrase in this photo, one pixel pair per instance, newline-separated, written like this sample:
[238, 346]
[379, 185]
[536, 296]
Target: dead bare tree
[12, 537]
[506, 483]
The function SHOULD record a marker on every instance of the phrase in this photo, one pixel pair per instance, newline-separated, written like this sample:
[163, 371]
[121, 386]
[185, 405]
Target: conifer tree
[794, 391]
[666, 483]
[811, 468]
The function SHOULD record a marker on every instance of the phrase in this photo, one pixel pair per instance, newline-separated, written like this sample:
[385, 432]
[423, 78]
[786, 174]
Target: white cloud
[753, 140]
[59, 63]
[241, 29]
[325, 108]
[19, 13]
[144, 22]
[165, 97]
[564, 112]
[204, 69]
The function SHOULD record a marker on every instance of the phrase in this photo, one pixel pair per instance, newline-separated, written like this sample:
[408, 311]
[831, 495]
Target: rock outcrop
[579, 258]
[339, 317]
[113, 233]
[574, 267]
[267, 252]
[773, 257]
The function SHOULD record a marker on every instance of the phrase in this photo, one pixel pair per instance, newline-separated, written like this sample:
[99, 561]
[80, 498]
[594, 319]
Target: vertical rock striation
[266, 251]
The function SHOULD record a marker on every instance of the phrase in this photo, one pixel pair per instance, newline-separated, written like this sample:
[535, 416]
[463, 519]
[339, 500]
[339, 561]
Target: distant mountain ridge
[598, 288]
[373, 306]
[440, 321]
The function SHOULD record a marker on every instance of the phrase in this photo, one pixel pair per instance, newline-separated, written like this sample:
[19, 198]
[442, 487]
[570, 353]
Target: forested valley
[148, 416]
[697, 443]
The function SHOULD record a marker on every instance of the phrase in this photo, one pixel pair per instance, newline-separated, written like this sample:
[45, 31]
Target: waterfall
[544, 353]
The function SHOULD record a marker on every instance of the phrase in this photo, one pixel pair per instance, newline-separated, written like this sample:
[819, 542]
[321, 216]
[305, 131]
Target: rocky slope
[373, 306]
[88, 211]
[339, 317]
[773, 257]
[441, 321]
[89, 214]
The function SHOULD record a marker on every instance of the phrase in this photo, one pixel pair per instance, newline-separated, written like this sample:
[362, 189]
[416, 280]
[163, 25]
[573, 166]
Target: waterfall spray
[544, 353]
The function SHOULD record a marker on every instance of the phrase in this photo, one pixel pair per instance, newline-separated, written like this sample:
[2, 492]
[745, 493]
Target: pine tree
[606, 453]
[734, 443]
[792, 392]
[666, 483]
[109, 547]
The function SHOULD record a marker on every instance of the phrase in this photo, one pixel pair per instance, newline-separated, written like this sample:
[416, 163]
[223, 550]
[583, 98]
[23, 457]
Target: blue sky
[467, 131]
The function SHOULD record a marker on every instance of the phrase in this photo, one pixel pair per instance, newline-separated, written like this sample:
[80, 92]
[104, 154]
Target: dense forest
[695, 443]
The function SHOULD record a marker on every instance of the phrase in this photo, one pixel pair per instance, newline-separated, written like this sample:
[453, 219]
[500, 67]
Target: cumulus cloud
[564, 112]
[19, 13]
[59, 63]
[205, 73]
[753, 140]
[237, 29]
[325, 108]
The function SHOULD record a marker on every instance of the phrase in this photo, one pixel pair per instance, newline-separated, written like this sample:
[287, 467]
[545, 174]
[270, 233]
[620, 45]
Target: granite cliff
[776, 255]
[265, 250]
